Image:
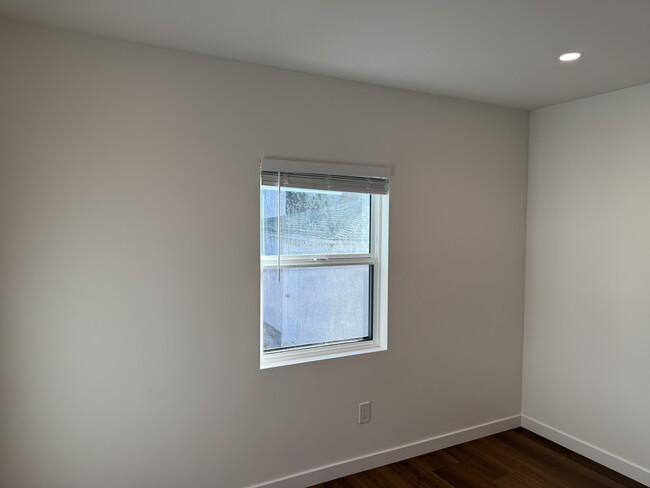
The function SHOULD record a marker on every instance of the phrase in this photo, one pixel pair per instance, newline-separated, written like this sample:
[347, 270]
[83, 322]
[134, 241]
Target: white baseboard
[381, 458]
[612, 461]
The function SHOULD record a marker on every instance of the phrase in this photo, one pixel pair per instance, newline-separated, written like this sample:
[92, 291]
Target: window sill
[286, 358]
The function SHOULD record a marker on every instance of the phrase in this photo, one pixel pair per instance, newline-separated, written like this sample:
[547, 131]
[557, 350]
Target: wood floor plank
[437, 459]
[618, 477]
[420, 474]
[463, 476]
[564, 469]
[387, 477]
[515, 461]
[518, 480]
[512, 459]
[476, 459]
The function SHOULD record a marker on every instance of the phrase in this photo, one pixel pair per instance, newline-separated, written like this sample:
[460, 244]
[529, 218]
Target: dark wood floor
[516, 458]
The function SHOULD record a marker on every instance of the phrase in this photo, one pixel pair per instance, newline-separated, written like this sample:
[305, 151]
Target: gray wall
[587, 332]
[129, 275]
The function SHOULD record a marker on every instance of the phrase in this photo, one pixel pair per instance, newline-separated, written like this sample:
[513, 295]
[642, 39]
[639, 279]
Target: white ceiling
[498, 51]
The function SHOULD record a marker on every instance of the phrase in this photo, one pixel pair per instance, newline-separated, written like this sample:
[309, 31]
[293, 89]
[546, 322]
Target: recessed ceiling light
[572, 56]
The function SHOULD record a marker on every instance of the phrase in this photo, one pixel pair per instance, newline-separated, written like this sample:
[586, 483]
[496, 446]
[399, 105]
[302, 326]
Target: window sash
[335, 343]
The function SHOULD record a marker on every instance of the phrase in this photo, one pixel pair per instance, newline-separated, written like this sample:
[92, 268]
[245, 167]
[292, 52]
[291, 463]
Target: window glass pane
[315, 222]
[315, 305]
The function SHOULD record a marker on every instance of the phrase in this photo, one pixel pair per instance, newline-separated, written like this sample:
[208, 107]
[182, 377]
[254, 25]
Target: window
[323, 260]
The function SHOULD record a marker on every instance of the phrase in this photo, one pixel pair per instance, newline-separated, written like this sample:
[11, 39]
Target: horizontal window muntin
[318, 260]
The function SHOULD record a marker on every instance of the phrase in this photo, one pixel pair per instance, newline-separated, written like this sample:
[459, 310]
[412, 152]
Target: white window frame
[377, 258]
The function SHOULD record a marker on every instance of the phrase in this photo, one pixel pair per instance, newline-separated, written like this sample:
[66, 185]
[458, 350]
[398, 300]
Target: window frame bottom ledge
[300, 356]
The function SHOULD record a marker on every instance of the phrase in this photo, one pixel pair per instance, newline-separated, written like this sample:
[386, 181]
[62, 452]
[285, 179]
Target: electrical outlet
[364, 412]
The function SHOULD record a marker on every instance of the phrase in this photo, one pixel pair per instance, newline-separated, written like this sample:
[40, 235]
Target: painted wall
[587, 332]
[129, 276]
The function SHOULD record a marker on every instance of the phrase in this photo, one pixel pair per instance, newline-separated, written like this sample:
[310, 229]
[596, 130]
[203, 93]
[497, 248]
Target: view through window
[313, 301]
